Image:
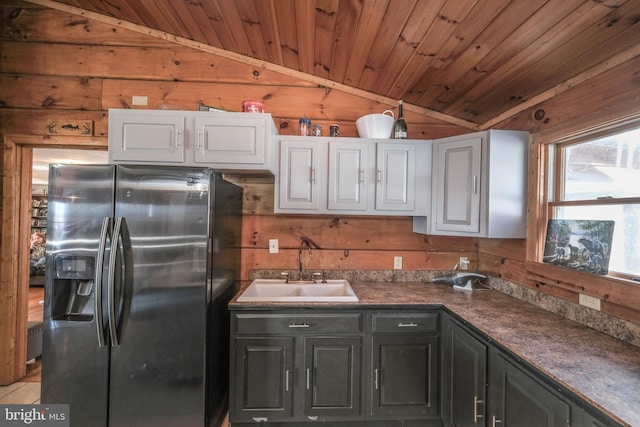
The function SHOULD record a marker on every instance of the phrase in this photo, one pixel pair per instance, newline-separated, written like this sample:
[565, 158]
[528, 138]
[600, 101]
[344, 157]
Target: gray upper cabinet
[147, 136]
[300, 184]
[232, 140]
[352, 176]
[348, 184]
[479, 186]
[456, 186]
[220, 140]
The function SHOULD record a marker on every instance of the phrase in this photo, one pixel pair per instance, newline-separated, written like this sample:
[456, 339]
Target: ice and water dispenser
[73, 288]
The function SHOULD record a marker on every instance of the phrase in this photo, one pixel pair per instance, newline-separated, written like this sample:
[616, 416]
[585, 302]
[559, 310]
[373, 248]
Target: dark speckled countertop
[600, 369]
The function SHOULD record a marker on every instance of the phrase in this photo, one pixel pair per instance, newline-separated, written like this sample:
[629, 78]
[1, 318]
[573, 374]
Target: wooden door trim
[14, 264]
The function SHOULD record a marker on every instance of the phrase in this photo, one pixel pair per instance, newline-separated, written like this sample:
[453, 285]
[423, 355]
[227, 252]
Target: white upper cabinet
[352, 176]
[220, 140]
[145, 136]
[456, 170]
[348, 175]
[302, 176]
[231, 140]
[395, 176]
[479, 186]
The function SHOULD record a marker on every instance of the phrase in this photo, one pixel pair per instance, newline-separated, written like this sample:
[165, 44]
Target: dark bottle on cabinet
[400, 128]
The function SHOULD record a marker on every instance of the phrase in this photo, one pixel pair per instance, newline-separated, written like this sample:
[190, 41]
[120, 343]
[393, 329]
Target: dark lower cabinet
[484, 386]
[405, 377]
[262, 379]
[332, 378]
[517, 399]
[386, 368]
[295, 366]
[291, 367]
[464, 379]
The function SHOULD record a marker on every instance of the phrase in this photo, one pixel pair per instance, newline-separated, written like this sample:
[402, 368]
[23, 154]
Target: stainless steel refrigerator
[141, 262]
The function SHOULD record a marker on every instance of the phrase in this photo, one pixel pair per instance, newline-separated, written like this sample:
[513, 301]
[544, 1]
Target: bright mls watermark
[34, 415]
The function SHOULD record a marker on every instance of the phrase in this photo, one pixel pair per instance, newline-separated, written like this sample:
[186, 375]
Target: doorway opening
[17, 169]
[41, 159]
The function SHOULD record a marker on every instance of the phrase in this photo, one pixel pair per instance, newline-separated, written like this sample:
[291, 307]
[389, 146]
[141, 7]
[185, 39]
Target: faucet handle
[286, 276]
[315, 276]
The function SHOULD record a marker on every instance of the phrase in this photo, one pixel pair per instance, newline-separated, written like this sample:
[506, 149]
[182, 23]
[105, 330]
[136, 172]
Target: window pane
[606, 167]
[624, 253]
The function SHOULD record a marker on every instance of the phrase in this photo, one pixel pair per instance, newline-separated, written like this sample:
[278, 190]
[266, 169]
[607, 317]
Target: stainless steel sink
[275, 290]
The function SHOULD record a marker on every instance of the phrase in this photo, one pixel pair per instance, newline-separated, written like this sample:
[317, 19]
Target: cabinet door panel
[464, 378]
[457, 188]
[405, 376]
[395, 177]
[333, 380]
[516, 399]
[140, 137]
[263, 375]
[230, 140]
[348, 176]
[299, 171]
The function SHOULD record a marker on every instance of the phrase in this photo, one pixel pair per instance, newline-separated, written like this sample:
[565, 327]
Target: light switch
[273, 246]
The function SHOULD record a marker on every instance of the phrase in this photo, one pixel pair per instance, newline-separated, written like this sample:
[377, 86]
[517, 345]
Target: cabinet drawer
[405, 323]
[338, 323]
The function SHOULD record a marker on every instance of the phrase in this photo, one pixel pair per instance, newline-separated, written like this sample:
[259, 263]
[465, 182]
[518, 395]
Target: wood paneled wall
[62, 68]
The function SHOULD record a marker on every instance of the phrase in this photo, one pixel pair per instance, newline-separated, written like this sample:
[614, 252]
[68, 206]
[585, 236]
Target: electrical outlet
[397, 263]
[273, 246]
[589, 301]
[464, 263]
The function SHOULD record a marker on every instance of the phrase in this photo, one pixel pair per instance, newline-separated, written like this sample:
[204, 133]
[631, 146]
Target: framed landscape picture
[579, 244]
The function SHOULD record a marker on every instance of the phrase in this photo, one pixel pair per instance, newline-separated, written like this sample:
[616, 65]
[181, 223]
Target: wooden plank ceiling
[475, 60]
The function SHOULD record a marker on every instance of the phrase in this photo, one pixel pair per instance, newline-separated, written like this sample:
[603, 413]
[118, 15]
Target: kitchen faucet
[303, 242]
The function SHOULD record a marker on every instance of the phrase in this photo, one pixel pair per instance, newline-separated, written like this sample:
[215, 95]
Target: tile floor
[27, 390]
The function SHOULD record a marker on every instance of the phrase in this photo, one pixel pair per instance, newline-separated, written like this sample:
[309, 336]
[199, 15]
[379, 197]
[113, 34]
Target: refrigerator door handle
[106, 222]
[115, 240]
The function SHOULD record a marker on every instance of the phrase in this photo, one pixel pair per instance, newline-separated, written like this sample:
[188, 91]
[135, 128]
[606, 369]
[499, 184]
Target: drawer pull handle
[313, 418]
[260, 419]
[495, 421]
[286, 380]
[308, 378]
[299, 325]
[407, 325]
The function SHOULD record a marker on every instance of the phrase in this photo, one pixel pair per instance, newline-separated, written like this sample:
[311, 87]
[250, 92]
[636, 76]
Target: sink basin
[275, 290]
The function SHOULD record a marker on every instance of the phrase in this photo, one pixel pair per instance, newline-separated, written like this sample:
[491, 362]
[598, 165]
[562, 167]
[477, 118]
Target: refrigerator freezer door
[158, 366]
[74, 366]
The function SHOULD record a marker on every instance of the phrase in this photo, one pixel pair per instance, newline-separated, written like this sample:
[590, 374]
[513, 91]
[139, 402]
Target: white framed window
[597, 177]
